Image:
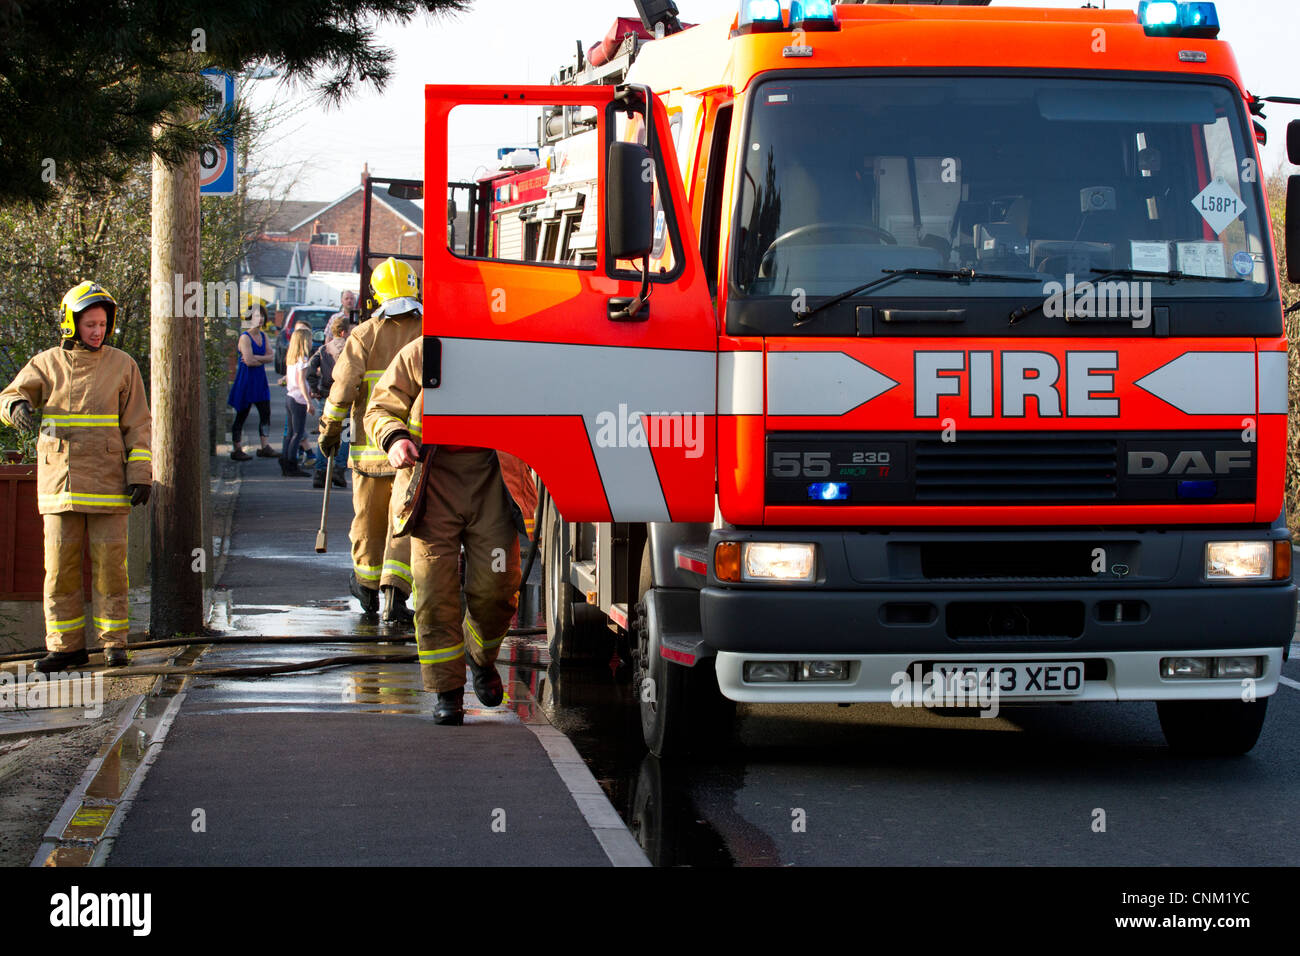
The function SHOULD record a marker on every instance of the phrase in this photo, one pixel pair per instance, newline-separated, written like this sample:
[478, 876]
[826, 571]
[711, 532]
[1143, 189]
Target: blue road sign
[217, 163]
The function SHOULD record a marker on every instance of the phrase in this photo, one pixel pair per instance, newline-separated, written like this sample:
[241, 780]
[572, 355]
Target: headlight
[778, 561]
[1238, 560]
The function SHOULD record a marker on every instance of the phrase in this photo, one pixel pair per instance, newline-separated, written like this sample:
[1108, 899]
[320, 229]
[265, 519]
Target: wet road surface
[875, 785]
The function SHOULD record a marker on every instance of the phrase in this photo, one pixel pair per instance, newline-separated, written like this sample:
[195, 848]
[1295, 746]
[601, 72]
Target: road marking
[1293, 684]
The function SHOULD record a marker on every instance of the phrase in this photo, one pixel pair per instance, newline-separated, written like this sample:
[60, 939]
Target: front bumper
[874, 605]
[1129, 675]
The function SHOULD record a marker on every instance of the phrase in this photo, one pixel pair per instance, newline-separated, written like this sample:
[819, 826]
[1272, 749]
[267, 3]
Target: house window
[296, 289]
[325, 239]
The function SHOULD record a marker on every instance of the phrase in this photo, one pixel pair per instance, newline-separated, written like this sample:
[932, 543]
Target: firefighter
[94, 463]
[458, 498]
[379, 561]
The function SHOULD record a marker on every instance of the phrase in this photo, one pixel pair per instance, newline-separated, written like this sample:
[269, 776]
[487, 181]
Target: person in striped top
[94, 462]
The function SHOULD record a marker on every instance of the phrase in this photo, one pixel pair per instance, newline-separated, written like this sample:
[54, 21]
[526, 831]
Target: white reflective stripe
[1205, 383]
[820, 383]
[70, 625]
[604, 384]
[335, 412]
[629, 476]
[546, 378]
[140, 454]
[740, 383]
[1272, 383]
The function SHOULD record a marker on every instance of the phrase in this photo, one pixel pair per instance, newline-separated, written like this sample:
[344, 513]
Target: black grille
[1056, 469]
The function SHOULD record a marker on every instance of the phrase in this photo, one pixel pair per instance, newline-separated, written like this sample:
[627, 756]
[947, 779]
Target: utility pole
[179, 552]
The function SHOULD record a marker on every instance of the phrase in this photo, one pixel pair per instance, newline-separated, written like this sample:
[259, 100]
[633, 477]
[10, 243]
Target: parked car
[318, 316]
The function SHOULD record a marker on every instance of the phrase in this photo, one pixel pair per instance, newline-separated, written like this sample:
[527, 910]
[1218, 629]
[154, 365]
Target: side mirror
[1293, 227]
[1293, 141]
[629, 201]
[403, 191]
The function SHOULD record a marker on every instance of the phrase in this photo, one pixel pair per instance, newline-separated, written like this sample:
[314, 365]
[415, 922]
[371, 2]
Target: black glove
[331, 436]
[139, 494]
[23, 416]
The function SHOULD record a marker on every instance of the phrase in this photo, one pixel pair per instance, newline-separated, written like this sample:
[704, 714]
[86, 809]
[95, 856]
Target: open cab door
[539, 342]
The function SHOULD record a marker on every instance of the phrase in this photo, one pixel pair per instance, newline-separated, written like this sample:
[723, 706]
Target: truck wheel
[572, 626]
[682, 710]
[1211, 728]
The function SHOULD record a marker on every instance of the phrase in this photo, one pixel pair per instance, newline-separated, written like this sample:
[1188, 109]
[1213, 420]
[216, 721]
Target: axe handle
[325, 504]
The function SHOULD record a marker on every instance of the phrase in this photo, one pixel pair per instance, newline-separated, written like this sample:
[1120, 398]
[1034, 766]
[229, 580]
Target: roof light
[1168, 18]
[1199, 20]
[809, 15]
[759, 16]
[1158, 13]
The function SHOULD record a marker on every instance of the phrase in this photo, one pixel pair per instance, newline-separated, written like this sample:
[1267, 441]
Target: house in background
[302, 240]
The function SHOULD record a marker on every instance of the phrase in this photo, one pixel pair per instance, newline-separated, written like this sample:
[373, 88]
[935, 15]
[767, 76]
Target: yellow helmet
[80, 298]
[395, 287]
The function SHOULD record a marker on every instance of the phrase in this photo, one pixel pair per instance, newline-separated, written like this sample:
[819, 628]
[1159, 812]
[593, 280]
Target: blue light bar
[829, 491]
[1158, 13]
[1199, 20]
[810, 15]
[1198, 489]
[1169, 18]
[759, 16]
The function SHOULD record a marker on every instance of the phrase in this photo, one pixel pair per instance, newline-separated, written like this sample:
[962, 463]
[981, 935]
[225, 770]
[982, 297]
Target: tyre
[682, 710]
[573, 627]
[1211, 728]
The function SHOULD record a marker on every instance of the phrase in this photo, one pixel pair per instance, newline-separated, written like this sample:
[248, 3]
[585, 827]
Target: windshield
[846, 177]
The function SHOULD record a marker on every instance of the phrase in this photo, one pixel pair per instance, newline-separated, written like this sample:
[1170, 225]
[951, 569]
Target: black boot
[449, 707]
[61, 660]
[487, 683]
[340, 480]
[368, 597]
[290, 469]
[395, 609]
[318, 479]
[115, 657]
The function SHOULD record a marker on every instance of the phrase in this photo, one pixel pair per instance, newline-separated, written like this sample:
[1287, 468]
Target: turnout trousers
[379, 559]
[466, 504]
[65, 608]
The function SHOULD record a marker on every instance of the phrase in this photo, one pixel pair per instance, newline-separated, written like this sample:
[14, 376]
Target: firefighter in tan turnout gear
[379, 561]
[457, 497]
[93, 463]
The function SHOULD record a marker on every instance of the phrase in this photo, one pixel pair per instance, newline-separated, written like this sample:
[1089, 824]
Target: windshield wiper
[963, 275]
[1102, 274]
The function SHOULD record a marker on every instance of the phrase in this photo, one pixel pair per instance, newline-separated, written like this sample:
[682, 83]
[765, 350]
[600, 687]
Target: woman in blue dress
[250, 386]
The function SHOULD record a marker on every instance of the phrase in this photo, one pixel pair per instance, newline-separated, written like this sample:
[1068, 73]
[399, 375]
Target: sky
[318, 152]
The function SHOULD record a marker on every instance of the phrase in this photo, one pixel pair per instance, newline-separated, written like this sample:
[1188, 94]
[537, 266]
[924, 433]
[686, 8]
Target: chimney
[365, 173]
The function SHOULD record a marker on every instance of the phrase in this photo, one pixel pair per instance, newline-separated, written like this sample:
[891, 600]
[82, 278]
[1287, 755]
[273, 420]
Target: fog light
[1238, 667]
[1238, 560]
[823, 670]
[757, 672]
[777, 561]
[1190, 667]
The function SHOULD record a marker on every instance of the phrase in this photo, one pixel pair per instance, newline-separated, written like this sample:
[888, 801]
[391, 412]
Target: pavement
[333, 766]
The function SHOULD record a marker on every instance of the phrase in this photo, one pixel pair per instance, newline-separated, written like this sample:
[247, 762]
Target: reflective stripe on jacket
[368, 352]
[95, 427]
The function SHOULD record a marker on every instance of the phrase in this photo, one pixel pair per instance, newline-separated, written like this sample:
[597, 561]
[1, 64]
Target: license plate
[1013, 678]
